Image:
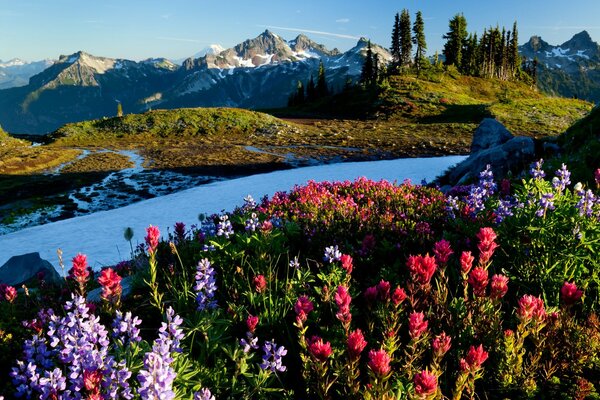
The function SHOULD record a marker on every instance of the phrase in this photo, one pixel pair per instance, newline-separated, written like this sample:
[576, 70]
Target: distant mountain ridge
[571, 69]
[257, 73]
[16, 72]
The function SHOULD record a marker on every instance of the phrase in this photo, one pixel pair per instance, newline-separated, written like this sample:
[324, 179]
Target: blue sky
[138, 29]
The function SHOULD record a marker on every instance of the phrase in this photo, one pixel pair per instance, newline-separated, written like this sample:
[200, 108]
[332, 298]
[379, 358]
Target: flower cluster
[224, 227]
[206, 286]
[111, 285]
[272, 359]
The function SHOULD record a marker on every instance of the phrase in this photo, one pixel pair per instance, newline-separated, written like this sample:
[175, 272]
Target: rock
[490, 133]
[20, 269]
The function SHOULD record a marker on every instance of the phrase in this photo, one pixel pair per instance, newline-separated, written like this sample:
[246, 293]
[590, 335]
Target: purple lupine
[586, 202]
[52, 384]
[252, 223]
[332, 253]
[125, 328]
[486, 181]
[157, 376]
[452, 206]
[294, 263]
[204, 394]
[224, 227]
[562, 179]
[536, 170]
[206, 286]
[504, 210]
[546, 203]
[272, 359]
[249, 203]
[249, 343]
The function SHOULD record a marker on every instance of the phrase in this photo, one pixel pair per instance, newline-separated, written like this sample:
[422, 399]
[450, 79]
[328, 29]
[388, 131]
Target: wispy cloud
[176, 39]
[342, 20]
[301, 30]
[166, 16]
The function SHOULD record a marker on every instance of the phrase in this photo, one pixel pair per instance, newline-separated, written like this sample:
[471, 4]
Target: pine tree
[419, 41]
[395, 49]
[514, 57]
[300, 93]
[322, 89]
[375, 69]
[405, 39]
[366, 74]
[119, 109]
[311, 92]
[455, 39]
[469, 63]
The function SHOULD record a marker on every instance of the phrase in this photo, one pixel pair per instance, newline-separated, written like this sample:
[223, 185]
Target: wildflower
[267, 226]
[505, 187]
[251, 322]
[260, 283]
[318, 349]
[91, 380]
[343, 299]
[417, 325]
[206, 285]
[536, 170]
[272, 360]
[125, 328]
[441, 344]
[52, 384]
[180, 230]
[152, 237]
[499, 286]
[425, 383]
[531, 307]
[371, 294]
[452, 206]
[302, 307]
[379, 362]
[224, 227]
[486, 245]
[79, 272]
[466, 262]
[478, 279]
[356, 344]
[383, 290]
[546, 203]
[570, 294]
[442, 251]
[252, 223]
[586, 203]
[346, 261]
[475, 357]
[250, 342]
[295, 263]
[398, 296]
[597, 176]
[332, 253]
[562, 179]
[9, 293]
[249, 203]
[204, 394]
[111, 285]
[422, 268]
[504, 210]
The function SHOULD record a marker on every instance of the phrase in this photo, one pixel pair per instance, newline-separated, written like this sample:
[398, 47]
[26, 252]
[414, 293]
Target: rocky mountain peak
[580, 41]
[536, 44]
[303, 44]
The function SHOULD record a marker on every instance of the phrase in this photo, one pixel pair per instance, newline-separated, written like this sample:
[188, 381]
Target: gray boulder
[490, 133]
[20, 269]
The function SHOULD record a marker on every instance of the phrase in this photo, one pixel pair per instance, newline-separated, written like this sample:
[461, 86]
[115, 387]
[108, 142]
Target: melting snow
[100, 235]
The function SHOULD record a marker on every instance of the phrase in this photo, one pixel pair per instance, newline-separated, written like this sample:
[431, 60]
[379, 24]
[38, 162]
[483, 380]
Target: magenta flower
[570, 294]
[441, 344]
[343, 299]
[260, 283]
[398, 296]
[487, 244]
[356, 344]
[347, 263]
[499, 286]
[466, 262]
[442, 251]
[478, 279]
[531, 307]
[426, 383]
[318, 349]
[383, 290]
[302, 307]
[379, 362]
[417, 325]
[251, 322]
[475, 357]
[152, 237]
[111, 284]
[79, 272]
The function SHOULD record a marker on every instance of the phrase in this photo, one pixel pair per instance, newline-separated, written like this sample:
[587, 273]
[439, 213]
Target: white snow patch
[100, 235]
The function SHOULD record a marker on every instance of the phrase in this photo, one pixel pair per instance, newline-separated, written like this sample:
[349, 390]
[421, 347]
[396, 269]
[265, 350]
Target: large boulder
[490, 133]
[20, 269]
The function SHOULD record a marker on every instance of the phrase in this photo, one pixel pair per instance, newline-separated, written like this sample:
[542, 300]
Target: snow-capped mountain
[257, 73]
[16, 72]
[571, 69]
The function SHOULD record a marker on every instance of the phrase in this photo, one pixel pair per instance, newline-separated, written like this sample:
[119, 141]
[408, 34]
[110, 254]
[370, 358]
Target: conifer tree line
[494, 55]
[404, 36]
[313, 91]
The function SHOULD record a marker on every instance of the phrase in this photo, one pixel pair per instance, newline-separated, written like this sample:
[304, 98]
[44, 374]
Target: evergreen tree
[469, 63]
[514, 57]
[395, 49]
[419, 41]
[300, 93]
[366, 74]
[322, 89]
[311, 92]
[455, 39]
[375, 69]
[405, 39]
[348, 84]
[119, 109]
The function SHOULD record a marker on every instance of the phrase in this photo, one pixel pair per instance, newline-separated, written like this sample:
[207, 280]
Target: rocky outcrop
[24, 268]
[493, 144]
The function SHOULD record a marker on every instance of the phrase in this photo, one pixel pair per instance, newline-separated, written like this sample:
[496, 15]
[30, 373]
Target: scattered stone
[21, 269]
[490, 133]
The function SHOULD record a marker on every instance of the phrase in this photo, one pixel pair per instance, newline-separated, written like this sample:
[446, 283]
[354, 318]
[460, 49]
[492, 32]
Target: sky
[140, 29]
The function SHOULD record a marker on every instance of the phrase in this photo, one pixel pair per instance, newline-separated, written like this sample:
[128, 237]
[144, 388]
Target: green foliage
[455, 40]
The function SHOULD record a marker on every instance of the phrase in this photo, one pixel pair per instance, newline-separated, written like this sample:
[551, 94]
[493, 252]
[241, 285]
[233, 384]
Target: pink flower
[111, 284]
[260, 283]
[79, 272]
[319, 349]
[466, 262]
[152, 237]
[343, 299]
[346, 261]
[421, 268]
[379, 362]
[398, 296]
[425, 383]
[266, 226]
[475, 357]
[597, 176]
[417, 325]
[570, 294]
[251, 322]
[442, 251]
[478, 279]
[371, 294]
[531, 307]
[499, 286]
[356, 344]
[302, 307]
[441, 344]
[383, 290]
[9, 293]
[505, 187]
[487, 244]
[92, 380]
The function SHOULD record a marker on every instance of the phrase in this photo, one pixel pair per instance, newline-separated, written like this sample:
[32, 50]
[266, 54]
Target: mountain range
[257, 73]
[571, 69]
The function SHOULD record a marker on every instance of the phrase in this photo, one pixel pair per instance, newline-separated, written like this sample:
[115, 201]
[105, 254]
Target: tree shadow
[459, 113]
